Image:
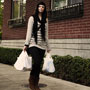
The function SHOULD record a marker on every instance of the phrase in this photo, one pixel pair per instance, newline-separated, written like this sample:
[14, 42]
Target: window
[65, 9]
[18, 13]
[71, 2]
[58, 4]
[18, 8]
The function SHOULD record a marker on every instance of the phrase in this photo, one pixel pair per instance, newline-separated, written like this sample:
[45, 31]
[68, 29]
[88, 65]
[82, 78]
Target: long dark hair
[43, 21]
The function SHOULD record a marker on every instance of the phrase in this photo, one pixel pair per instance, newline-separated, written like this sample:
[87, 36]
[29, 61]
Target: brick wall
[16, 33]
[70, 28]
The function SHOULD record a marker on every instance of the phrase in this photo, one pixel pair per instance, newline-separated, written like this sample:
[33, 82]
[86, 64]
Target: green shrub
[75, 69]
[8, 55]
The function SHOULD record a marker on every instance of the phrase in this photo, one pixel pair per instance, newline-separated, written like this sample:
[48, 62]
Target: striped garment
[30, 40]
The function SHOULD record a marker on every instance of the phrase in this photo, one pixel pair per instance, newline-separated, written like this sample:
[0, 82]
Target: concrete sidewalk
[11, 79]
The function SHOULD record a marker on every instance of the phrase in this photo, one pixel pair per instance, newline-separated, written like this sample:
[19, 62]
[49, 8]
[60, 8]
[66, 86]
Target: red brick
[70, 28]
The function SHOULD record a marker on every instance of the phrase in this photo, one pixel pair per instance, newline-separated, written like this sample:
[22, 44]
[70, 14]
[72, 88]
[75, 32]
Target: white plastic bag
[48, 65]
[23, 62]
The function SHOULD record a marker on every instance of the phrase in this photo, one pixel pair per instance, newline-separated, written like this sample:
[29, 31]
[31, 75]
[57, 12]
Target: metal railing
[66, 12]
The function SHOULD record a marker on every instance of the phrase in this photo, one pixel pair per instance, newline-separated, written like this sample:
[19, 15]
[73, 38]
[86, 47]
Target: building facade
[69, 25]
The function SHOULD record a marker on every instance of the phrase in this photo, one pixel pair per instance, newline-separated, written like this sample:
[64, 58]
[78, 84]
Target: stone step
[12, 43]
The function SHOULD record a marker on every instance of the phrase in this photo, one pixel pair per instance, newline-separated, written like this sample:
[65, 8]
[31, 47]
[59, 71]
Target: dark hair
[43, 21]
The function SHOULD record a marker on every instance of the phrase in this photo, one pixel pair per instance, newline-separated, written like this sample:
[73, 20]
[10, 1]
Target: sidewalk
[11, 79]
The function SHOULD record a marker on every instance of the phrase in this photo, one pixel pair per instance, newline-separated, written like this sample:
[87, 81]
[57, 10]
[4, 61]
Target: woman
[37, 42]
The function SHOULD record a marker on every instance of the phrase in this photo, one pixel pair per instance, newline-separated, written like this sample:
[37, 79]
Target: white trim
[51, 4]
[66, 2]
[19, 1]
[62, 47]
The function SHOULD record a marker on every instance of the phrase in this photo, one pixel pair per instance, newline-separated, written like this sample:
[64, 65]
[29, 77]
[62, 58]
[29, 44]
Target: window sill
[15, 23]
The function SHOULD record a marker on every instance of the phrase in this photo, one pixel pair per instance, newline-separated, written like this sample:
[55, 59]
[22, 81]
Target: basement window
[63, 9]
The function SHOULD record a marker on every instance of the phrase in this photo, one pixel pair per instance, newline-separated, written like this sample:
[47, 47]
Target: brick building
[69, 25]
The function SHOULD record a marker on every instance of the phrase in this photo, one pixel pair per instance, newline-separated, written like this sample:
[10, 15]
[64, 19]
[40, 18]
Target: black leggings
[37, 56]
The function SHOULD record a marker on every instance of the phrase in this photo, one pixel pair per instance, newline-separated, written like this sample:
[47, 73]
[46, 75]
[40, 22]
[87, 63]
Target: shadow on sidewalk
[41, 85]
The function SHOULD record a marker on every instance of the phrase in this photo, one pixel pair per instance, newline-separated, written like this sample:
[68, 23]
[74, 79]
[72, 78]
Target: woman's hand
[25, 48]
[48, 51]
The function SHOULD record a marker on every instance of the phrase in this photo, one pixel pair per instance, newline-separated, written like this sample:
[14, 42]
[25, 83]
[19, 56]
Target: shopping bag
[23, 62]
[48, 65]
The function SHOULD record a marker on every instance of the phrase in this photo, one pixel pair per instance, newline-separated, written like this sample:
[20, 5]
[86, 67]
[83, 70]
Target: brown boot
[36, 83]
[31, 82]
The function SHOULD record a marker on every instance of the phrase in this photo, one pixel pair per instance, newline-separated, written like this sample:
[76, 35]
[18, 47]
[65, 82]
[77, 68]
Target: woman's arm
[47, 41]
[29, 30]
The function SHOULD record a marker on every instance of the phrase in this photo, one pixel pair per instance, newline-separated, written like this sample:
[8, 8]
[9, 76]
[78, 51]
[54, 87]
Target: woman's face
[41, 8]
